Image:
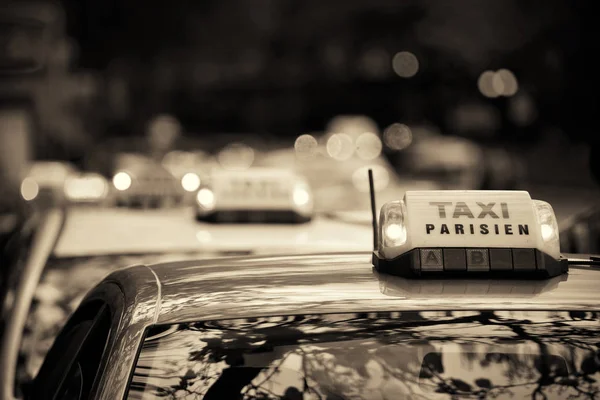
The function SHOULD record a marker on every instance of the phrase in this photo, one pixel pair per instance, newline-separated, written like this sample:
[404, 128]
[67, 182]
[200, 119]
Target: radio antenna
[373, 209]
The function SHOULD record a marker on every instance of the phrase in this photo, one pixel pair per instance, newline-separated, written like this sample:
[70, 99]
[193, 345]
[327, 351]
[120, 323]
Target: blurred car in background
[259, 195]
[45, 182]
[580, 233]
[403, 158]
[59, 183]
[454, 162]
[503, 170]
[138, 181]
[335, 164]
[190, 168]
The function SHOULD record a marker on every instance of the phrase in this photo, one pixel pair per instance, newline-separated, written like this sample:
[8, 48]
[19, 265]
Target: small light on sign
[394, 232]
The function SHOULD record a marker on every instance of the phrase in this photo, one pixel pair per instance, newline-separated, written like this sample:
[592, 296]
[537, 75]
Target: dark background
[277, 59]
[286, 67]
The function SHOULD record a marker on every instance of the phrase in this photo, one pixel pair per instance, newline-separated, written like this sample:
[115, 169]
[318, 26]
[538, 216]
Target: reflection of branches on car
[218, 367]
[580, 380]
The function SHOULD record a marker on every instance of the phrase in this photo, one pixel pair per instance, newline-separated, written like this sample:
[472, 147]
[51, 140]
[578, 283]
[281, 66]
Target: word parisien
[486, 211]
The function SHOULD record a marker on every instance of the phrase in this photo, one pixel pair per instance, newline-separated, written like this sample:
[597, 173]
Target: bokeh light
[121, 181]
[381, 178]
[301, 196]
[405, 64]
[499, 83]
[522, 110]
[368, 146]
[306, 146]
[510, 86]
[163, 130]
[353, 125]
[29, 189]
[340, 146]
[236, 156]
[485, 83]
[203, 236]
[206, 198]
[397, 136]
[190, 182]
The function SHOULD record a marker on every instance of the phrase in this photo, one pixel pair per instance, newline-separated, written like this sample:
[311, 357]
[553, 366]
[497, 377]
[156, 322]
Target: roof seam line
[159, 300]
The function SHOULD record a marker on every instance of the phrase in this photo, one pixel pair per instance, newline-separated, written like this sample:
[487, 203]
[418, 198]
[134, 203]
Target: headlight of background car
[190, 182]
[302, 198]
[122, 181]
[206, 199]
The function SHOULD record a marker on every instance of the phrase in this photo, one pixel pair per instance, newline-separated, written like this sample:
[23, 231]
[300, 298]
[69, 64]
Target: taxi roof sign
[449, 232]
[254, 195]
[471, 219]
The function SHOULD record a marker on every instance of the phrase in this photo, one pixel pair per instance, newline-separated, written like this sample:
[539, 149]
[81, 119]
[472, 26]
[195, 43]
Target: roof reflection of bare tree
[382, 355]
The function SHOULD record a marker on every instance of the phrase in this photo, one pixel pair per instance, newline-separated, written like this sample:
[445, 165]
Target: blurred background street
[448, 95]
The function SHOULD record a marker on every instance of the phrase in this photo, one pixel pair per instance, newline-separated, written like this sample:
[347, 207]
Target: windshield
[416, 355]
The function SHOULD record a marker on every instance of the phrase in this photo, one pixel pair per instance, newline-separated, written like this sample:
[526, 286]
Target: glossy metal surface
[44, 240]
[141, 301]
[111, 294]
[346, 282]
[326, 283]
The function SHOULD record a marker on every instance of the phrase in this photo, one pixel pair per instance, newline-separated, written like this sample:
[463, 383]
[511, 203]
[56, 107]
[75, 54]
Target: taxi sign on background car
[449, 232]
[255, 195]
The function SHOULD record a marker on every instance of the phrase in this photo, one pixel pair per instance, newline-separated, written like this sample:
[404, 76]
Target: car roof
[346, 282]
[124, 231]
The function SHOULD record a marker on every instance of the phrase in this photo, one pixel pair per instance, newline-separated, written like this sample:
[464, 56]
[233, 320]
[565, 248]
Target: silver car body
[142, 296]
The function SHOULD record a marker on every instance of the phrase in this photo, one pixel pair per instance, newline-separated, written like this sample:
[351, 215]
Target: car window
[73, 389]
[429, 355]
[70, 369]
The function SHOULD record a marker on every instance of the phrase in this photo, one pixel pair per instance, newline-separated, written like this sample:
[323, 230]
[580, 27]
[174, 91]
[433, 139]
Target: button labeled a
[432, 260]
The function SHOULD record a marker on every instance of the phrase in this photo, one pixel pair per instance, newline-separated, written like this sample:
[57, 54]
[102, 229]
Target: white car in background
[255, 195]
[58, 183]
[339, 182]
[140, 182]
[190, 168]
